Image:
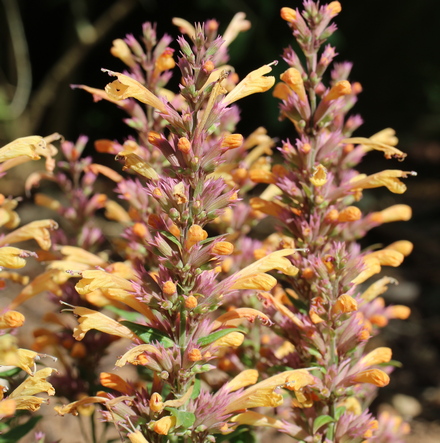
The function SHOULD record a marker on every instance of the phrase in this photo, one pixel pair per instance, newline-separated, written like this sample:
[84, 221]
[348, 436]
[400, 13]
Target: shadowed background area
[50, 44]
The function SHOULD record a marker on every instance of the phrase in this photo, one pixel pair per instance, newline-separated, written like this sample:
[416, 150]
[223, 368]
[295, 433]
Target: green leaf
[148, 334]
[241, 435]
[128, 315]
[321, 421]
[9, 372]
[183, 419]
[196, 388]
[339, 411]
[211, 239]
[14, 435]
[204, 341]
[314, 352]
[171, 238]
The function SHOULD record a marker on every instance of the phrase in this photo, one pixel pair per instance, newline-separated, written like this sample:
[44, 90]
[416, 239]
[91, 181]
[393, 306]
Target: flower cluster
[14, 359]
[325, 313]
[212, 322]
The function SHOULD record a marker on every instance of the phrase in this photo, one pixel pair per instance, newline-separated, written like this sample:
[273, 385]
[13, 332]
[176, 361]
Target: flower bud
[154, 137]
[349, 214]
[332, 216]
[121, 50]
[155, 221]
[195, 234]
[184, 145]
[334, 8]
[136, 437]
[288, 14]
[292, 77]
[223, 248]
[319, 177]
[156, 403]
[232, 141]
[344, 304]
[340, 89]
[174, 229]
[165, 61]
[398, 311]
[374, 376]
[191, 302]
[163, 426]
[195, 355]
[140, 230]
[11, 319]
[78, 350]
[169, 288]
[258, 175]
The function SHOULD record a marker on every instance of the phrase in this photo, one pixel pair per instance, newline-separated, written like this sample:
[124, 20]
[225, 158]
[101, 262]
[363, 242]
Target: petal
[90, 319]
[254, 82]
[126, 87]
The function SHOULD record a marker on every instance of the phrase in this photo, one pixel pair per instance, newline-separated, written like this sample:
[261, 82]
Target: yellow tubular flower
[72, 408]
[369, 144]
[195, 235]
[388, 178]
[233, 340]
[90, 319]
[340, 89]
[237, 24]
[156, 403]
[26, 146]
[392, 214]
[114, 288]
[376, 357]
[371, 267]
[405, 247]
[47, 202]
[121, 50]
[387, 257]
[319, 177]
[377, 288]
[374, 376]
[184, 26]
[23, 395]
[132, 355]
[281, 91]
[262, 394]
[235, 316]
[13, 258]
[266, 207]
[398, 311]
[7, 408]
[163, 426]
[256, 419]
[126, 87]
[292, 77]
[245, 378]
[135, 163]
[137, 437]
[344, 304]
[114, 211]
[115, 382]
[38, 230]
[253, 83]
[349, 214]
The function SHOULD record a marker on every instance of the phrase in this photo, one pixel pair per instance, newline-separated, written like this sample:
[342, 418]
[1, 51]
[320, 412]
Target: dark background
[394, 47]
